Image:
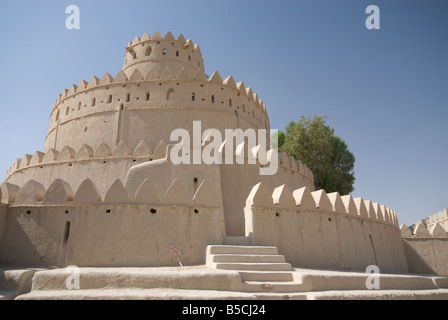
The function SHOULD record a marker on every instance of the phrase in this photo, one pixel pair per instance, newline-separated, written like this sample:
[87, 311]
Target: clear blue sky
[385, 91]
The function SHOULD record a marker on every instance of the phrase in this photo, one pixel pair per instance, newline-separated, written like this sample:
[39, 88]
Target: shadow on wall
[427, 256]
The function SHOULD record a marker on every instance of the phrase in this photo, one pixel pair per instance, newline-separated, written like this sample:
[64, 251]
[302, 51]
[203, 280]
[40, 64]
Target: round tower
[156, 53]
[162, 87]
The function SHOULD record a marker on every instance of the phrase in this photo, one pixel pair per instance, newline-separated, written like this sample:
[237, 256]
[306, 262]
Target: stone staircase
[235, 271]
[263, 271]
[266, 275]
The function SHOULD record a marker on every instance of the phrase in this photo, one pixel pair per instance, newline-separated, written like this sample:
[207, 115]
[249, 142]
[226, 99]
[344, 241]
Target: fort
[104, 195]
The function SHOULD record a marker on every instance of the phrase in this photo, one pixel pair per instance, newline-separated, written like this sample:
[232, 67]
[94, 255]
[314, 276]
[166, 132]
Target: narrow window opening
[373, 248]
[170, 94]
[230, 102]
[148, 51]
[109, 99]
[189, 58]
[195, 184]
[177, 53]
[79, 106]
[66, 232]
[67, 110]
[128, 97]
[147, 96]
[93, 102]
[164, 51]
[57, 115]
[121, 107]
[193, 96]
[213, 98]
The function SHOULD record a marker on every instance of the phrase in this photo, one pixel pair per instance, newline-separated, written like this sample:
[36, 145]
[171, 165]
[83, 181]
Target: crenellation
[350, 205]
[336, 202]
[106, 79]
[117, 193]
[142, 150]
[50, 156]
[122, 150]
[25, 161]
[206, 195]
[67, 154]
[59, 192]
[30, 193]
[371, 212]
[146, 193]
[103, 151]
[323, 203]
[282, 197]
[9, 192]
[84, 152]
[176, 194]
[304, 199]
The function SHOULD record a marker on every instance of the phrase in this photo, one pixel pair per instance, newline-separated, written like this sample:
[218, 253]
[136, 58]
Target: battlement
[121, 79]
[314, 229]
[439, 217]
[102, 154]
[157, 52]
[319, 201]
[419, 230]
[60, 192]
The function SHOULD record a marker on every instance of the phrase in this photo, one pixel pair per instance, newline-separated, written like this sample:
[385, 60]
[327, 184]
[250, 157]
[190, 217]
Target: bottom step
[266, 275]
[272, 286]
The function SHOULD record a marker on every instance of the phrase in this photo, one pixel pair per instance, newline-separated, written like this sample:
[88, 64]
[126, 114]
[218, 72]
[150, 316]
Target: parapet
[85, 153]
[318, 201]
[419, 230]
[61, 193]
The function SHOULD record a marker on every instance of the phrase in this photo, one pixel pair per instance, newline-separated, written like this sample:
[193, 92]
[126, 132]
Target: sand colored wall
[316, 230]
[3, 213]
[73, 227]
[426, 249]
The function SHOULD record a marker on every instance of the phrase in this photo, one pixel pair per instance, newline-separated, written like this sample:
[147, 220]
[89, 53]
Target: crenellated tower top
[156, 53]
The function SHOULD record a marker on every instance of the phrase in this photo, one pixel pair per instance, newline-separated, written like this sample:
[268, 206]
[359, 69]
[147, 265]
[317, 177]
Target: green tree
[327, 155]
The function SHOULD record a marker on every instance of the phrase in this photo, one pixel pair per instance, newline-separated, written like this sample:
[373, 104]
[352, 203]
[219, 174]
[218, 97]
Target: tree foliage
[327, 155]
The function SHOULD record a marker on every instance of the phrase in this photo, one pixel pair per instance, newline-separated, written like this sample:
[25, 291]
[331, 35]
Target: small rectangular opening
[373, 248]
[93, 102]
[128, 97]
[109, 99]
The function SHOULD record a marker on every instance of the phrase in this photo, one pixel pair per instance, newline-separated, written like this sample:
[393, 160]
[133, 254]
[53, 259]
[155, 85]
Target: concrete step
[15, 281]
[253, 266]
[136, 294]
[280, 296]
[232, 249]
[247, 258]
[193, 278]
[272, 286]
[324, 280]
[431, 294]
[250, 275]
